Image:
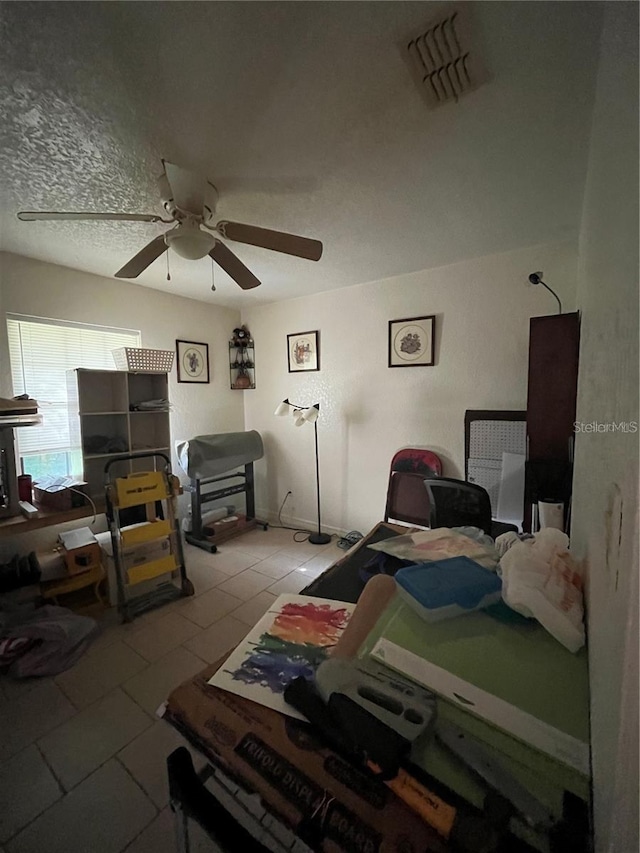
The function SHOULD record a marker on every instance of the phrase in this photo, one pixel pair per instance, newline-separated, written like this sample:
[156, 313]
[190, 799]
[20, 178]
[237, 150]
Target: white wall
[605, 494]
[369, 411]
[46, 290]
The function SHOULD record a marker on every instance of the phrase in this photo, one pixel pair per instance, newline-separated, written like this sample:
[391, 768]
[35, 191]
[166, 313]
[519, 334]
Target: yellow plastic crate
[146, 571]
[145, 533]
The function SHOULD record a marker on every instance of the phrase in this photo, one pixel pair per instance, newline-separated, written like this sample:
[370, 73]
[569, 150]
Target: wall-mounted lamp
[536, 278]
[308, 415]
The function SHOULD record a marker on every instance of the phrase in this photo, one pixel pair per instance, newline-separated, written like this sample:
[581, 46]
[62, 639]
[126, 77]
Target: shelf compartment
[105, 434]
[101, 391]
[147, 386]
[149, 432]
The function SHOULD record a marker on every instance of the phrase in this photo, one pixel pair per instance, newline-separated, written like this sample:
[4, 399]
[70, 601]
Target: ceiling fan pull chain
[168, 272]
[213, 266]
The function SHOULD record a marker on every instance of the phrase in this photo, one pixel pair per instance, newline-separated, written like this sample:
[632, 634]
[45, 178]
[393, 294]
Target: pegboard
[486, 473]
[487, 435]
[489, 439]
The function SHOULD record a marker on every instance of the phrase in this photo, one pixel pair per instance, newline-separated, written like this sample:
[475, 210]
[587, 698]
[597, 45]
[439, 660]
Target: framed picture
[193, 361]
[411, 341]
[303, 351]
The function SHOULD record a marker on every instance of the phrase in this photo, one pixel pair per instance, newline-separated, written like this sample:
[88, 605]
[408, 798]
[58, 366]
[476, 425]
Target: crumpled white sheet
[541, 579]
[440, 544]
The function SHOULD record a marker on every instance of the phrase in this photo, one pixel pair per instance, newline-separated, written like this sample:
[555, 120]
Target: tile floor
[82, 754]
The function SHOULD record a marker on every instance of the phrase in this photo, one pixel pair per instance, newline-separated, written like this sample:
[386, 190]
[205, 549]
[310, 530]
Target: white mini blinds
[41, 352]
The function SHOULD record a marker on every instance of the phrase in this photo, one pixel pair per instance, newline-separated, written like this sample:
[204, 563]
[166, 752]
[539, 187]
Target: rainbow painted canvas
[291, 639]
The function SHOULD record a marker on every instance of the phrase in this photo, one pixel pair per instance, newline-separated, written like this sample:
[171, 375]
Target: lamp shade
[298, 417]
[311, 414]
[284, 408]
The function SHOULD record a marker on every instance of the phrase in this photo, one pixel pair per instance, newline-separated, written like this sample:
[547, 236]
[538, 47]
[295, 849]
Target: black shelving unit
[242, 366]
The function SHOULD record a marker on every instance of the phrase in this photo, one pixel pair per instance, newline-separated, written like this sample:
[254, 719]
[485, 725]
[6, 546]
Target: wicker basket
[137, 359]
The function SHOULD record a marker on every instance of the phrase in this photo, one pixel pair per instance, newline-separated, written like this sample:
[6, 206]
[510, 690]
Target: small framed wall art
[411, 341]
[193, 361]
[303, 351]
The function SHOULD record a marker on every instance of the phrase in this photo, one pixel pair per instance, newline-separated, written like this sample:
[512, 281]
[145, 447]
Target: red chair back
[417, 461]
[407, 498]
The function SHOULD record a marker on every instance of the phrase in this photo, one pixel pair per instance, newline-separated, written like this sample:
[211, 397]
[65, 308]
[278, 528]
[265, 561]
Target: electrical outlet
[285, 506]
[288, 505]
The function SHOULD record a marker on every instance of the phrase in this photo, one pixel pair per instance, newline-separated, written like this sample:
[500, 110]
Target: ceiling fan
[190, 201]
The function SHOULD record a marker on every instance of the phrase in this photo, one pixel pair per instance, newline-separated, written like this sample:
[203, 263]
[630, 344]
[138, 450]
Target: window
[41, 352]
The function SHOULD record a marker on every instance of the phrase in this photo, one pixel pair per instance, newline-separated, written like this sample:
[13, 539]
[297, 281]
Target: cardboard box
[80, 550]
[227, 528]
[145, 553]
[133, 557]
[82, 559]
[53, 494]
[52, 566]
[311, 789]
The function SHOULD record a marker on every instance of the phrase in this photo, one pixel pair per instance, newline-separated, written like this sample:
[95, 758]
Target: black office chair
[456, 503]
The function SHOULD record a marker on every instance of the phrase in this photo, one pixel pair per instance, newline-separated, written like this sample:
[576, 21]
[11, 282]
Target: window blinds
[41, 352]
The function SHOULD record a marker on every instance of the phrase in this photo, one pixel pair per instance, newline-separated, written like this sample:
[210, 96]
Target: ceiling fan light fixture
[190, 202]
[190, 242]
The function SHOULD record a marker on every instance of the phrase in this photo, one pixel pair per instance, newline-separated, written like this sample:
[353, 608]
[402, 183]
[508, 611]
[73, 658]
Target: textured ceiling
[306, 118]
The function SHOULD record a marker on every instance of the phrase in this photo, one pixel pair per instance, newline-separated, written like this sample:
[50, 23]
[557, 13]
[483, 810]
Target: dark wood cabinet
[554, 344]
[553, 382]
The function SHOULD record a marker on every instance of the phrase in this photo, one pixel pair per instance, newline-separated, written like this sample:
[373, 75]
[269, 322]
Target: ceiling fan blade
[187, 188]
[277, 241]
[41, 215]
[233, 266]
[144, 258]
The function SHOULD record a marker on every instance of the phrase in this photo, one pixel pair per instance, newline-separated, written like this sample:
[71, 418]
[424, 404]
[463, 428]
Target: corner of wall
[605, 492]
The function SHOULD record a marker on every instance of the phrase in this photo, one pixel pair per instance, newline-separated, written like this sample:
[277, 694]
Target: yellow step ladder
[147, 489]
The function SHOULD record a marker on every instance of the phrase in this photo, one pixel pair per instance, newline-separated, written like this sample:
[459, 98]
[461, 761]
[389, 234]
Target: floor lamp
[301, 416]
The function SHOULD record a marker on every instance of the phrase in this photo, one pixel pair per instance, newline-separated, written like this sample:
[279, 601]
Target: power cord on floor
[281, 526]
[349, 539]
[307, 533]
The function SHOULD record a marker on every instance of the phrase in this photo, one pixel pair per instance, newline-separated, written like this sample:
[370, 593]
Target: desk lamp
[302, 415]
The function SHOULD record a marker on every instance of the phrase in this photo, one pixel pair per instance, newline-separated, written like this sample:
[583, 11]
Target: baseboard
[297, 523]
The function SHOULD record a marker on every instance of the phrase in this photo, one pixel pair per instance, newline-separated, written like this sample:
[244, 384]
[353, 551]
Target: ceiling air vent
[442, 59]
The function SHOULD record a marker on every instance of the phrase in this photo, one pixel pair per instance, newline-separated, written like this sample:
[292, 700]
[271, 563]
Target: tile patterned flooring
[82, 754]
